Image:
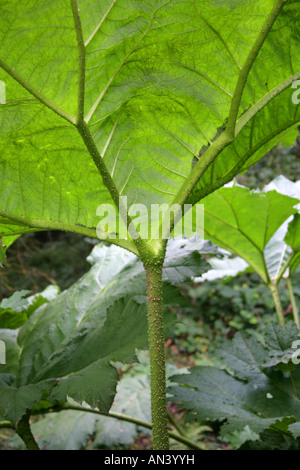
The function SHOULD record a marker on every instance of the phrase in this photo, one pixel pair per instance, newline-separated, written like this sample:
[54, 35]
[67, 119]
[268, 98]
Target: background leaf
[243, 222]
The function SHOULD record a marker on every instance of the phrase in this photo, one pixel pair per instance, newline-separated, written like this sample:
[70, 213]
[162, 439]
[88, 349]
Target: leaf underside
[67, 346]
[244, 222]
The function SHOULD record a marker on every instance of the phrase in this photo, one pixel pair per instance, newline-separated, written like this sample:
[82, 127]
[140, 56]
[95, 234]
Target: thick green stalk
[277, 303]
[24, 431]
[157, 356]
[154, 273]
[293, 302]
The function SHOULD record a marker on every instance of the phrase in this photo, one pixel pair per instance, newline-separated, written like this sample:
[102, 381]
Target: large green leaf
[68, 344]
[10, 368]
[113, 324]
[71, 429]
[292, 239]
[139, 87]
[244, 221]
[259, 389]
[280, 254]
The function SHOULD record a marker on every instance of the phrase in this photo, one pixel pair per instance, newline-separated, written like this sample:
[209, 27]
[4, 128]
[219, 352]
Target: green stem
[141, 246]
[82, 127]
[199, 169]
[157, 356]
[277, 302]
[175, 423]
[202, 191]
[24, 431]
[6, 424]
[243, 76]
[293, 302]
[41, 225]
[262, 102]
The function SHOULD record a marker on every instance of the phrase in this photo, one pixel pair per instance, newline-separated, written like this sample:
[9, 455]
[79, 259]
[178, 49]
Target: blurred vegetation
[36, 260]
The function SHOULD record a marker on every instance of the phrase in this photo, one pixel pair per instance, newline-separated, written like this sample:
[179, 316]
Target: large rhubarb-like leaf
[279, 254]
[243, 222]
[134, 90]
[67, 346]
[259, 389]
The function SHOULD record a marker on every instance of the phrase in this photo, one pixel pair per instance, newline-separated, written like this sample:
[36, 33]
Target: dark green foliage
[16, 310]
